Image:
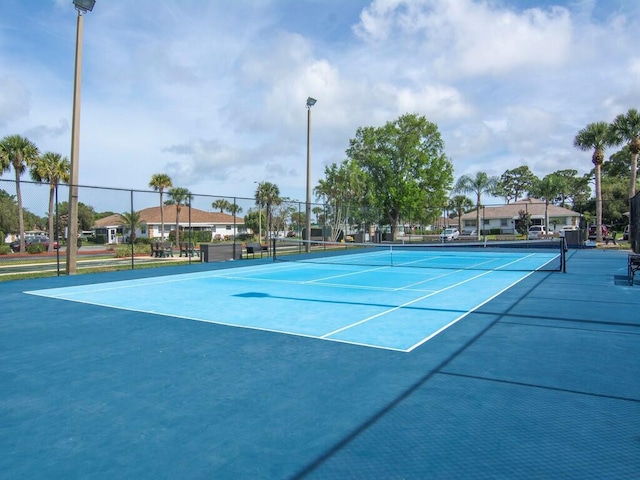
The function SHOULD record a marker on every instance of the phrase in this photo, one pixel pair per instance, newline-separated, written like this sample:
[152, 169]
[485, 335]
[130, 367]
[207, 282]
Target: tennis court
[107, 376]
[395, 298]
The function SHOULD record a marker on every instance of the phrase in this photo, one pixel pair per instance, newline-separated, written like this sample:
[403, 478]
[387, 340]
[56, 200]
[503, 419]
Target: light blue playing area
[390, 307]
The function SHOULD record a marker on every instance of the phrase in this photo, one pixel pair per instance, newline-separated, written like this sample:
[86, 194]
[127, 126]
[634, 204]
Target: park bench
[161, 249]
[188, 249]
[610, 238]
[253, 248]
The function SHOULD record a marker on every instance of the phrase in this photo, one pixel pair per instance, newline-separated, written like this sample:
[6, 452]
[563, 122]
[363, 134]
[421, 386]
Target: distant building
[505, 217]
[220, 225]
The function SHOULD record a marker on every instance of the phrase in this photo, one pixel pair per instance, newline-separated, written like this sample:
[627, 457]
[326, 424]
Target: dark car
[15, 246]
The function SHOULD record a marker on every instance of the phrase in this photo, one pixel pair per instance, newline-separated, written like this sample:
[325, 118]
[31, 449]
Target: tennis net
[516, 255]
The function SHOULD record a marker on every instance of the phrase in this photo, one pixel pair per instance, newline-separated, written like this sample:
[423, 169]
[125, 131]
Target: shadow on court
[542, 382]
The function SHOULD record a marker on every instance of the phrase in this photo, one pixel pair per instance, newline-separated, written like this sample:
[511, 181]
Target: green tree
[18, 152]
[461, 205]
[597, 137]
[252, 221]
[547, 189]
[523, 222]
[267, 195]
[342, 185]
[626, 129]
[514, 183]
[406, 169]
[615, 201]
[160, 182]
[234, 209]
[8, 213]
[132, 221]
[51, 168]
[222, 204]
[86, 217]
[179, 197]
[479, 185]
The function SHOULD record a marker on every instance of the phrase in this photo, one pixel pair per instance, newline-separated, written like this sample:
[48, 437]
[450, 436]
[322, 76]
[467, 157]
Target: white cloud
[214, 92]
[15, 100]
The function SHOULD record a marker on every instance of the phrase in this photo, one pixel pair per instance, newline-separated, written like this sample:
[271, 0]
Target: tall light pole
[82, 6]
[310, 103]
[259, 212]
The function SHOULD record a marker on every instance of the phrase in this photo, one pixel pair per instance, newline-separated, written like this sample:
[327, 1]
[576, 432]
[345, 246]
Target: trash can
[205, 251]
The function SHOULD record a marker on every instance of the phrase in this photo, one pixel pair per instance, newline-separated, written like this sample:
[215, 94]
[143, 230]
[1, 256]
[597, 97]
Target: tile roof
[151, 216]
[533, 206]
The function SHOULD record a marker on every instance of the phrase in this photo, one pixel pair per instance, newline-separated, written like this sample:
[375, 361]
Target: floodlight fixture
[84, 6]
[311, 102]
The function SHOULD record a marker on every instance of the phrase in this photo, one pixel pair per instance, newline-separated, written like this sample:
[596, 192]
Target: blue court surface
[254, 369]
[394, 307]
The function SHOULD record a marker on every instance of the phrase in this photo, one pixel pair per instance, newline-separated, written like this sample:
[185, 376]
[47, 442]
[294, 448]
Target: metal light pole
[82, 6]
[259, 212]
[310, 103]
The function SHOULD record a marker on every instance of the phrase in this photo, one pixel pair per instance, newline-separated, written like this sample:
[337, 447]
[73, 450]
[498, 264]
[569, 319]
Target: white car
[536, 231]
[449, 234]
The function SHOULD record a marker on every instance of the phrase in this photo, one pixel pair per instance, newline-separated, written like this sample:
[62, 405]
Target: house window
[504, 222]
[229, 227]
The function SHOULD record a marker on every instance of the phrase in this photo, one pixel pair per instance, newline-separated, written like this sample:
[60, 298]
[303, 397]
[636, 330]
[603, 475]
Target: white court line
[406, 304]
[440, 330]
[411, 302]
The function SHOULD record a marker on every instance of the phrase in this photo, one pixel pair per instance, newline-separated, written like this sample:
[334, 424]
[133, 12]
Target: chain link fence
[124, 228]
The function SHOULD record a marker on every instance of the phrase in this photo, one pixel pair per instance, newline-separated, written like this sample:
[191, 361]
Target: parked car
[28, 241]
[625, 234]
[536, 231]
[449, 234]
[594, 228]
[472, 232]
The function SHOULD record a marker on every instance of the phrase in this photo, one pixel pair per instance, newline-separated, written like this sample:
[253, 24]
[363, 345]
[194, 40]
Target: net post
[273, 248]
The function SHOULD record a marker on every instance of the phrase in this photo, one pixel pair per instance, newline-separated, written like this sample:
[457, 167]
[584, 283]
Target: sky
[213, 93]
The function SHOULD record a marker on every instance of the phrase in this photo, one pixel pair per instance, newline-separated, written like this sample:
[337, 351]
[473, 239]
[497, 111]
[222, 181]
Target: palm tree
[267, 194]
[626, 128]
[460, 204]
[547, 189]
[597, 137]
[234, 209]
[480, 184]
[222, 203]
[53, 169]
[20, 153]
[179, 196]
[160, 182]
[132, 222]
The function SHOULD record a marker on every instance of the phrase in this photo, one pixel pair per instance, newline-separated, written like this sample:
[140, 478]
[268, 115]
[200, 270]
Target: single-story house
[220, 225]
[504, 217]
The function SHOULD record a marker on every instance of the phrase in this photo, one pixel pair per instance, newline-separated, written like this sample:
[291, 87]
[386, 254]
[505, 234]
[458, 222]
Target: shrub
[36, 248]
[123, 251]
[5, 249]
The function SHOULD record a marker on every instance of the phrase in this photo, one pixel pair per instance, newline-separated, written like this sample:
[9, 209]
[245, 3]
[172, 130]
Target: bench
[188, 249]
[161, 249]
[633, 265]
[253, 248]
[612, 238]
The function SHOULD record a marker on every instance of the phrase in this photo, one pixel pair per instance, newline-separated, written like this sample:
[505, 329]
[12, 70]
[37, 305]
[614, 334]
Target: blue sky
[213, 92]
